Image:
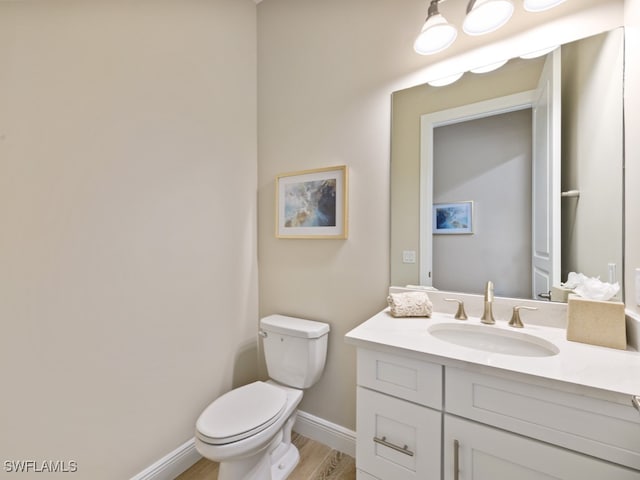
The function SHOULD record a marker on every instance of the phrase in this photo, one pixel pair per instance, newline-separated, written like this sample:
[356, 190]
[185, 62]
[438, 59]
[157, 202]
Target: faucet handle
[515, 317]
[460, 313]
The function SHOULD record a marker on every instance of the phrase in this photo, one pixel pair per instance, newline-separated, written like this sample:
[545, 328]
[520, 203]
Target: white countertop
[615, 373]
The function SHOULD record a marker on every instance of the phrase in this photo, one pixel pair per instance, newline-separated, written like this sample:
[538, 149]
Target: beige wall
[632, 151]
[128, 279]
[592, 130]
[321, 104]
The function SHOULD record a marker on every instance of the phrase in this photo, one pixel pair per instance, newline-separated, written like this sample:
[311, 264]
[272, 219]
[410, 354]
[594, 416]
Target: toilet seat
[241, 413]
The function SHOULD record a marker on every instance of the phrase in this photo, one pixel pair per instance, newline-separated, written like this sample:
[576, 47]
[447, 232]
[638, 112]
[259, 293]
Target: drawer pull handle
[635, 401]
[456, 460]
[383, 441]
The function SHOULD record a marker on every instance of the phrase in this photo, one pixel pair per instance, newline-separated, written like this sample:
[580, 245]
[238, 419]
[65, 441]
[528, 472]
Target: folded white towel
[410, 304]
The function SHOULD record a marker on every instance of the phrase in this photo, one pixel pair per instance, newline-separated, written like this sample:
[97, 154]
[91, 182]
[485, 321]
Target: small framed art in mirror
[453, 218]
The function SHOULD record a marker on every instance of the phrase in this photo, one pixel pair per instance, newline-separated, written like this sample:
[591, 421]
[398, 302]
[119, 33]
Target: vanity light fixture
[437, 34]
[486, 16]
[483, 16]
[540, 5]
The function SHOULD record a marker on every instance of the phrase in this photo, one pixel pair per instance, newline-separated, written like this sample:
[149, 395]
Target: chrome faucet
[487, 315]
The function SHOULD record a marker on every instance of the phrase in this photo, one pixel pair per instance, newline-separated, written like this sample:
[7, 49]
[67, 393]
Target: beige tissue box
[596, 322]
[560, 294]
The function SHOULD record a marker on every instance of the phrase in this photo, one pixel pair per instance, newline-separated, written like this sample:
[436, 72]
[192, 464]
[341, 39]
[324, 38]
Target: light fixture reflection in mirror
[538, 53]
[442, 82]
[489, 68]
[486, 16]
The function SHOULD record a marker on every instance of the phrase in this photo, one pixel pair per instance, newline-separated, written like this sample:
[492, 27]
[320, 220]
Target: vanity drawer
[590, 425]
[397, 439]
[417, 381]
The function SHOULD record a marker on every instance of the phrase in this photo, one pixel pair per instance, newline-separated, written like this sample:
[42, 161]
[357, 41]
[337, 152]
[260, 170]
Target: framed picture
[453, 218]
[312, 203]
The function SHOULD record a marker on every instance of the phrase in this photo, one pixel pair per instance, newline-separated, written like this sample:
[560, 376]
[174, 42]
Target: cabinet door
[397, 440]
[478, 452]
[360, 475]
[575, 421]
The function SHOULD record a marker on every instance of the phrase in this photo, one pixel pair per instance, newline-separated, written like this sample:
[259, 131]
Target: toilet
[248, 430]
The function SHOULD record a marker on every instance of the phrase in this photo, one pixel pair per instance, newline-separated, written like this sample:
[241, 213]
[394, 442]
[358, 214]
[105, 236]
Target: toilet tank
[295, 349]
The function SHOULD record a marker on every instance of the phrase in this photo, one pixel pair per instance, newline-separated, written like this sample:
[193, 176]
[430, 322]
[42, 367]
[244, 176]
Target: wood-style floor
[317, 462]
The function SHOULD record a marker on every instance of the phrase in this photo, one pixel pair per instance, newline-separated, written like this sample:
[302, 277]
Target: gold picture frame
[312, 203]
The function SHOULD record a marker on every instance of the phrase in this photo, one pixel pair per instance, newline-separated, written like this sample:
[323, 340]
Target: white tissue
[573, 280]
[590, 287]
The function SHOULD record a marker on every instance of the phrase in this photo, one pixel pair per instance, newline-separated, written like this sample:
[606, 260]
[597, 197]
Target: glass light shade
[540, 5]
[486, 16]
[538, 53]
[489, 68]
[441, 82]
[436, 35]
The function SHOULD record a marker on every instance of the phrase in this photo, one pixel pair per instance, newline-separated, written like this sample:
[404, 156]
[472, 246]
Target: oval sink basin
[496, 340]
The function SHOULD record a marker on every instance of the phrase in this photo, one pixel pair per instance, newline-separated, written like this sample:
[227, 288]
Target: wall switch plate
[638, 286]
[408, 256]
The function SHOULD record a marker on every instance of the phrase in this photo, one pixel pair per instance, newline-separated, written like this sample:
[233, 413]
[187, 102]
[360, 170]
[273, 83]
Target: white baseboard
[172, 464]
[310, 426]
[323, 431]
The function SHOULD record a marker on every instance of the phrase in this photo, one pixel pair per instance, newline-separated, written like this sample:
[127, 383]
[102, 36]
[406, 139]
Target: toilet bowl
[248, 430]
[244, 428]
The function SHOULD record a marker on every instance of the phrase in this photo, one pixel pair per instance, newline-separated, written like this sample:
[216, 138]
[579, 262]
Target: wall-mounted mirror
[489, 160]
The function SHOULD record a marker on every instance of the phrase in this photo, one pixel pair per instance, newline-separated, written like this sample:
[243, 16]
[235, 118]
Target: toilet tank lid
[296, 327]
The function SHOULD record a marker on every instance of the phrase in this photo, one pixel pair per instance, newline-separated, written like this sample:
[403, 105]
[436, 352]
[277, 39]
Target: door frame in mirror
[430, 121]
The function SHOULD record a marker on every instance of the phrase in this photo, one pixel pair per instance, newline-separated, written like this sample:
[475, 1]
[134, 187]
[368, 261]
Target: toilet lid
[240, 413]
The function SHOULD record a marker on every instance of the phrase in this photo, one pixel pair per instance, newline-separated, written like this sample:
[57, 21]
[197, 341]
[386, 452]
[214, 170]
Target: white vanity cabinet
[424, 420]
